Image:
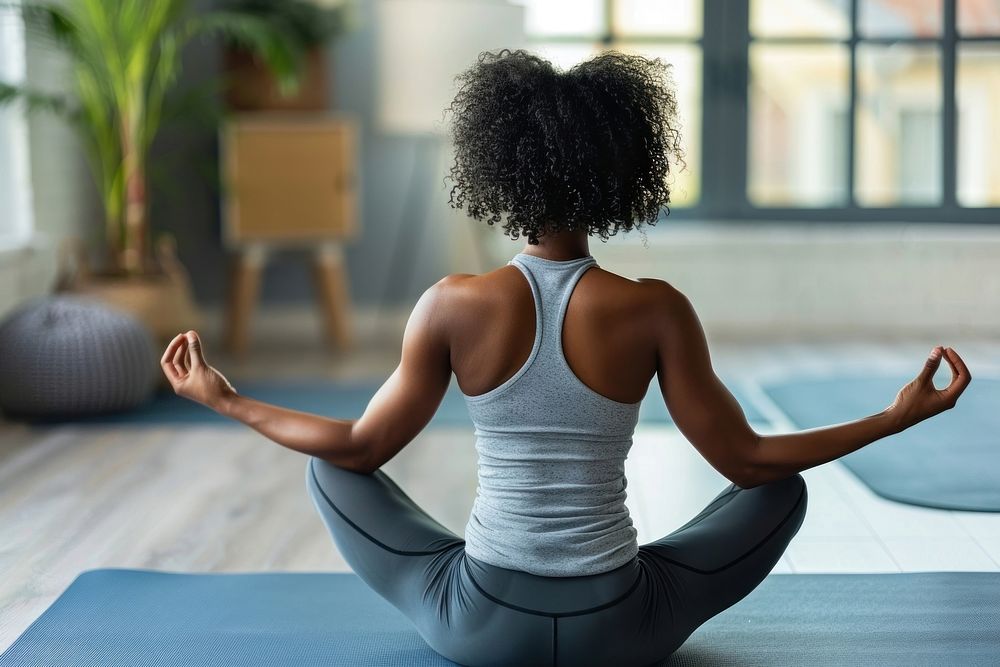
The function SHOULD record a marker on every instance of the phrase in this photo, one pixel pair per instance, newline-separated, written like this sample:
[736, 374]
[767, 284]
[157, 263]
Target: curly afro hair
[585, 149]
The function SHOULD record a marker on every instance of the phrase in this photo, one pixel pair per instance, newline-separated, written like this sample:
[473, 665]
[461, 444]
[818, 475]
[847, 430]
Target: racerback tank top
[551, 494]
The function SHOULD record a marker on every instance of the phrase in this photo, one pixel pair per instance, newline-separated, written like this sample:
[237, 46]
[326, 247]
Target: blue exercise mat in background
[133, 617]
[950, 461]
[342, 399]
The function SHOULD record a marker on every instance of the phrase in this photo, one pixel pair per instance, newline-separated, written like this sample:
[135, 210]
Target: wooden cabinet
[290, 180]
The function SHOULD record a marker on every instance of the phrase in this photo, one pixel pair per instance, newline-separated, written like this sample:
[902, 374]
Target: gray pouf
[65, 356]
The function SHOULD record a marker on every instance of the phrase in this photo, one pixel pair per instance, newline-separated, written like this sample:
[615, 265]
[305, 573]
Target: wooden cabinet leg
[332, 287]
[244, 286]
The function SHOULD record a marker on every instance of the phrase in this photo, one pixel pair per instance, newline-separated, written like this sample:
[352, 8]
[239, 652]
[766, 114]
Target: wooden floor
[221, 498]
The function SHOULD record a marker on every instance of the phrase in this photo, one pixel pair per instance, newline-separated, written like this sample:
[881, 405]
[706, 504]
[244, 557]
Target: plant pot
[250, 86]
[160, 297]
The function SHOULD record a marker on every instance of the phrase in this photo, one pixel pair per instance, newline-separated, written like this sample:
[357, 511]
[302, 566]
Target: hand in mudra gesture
[189, 374]
[920, 399]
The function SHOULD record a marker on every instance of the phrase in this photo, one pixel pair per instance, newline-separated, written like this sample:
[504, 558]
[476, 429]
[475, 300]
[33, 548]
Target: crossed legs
[684, 578]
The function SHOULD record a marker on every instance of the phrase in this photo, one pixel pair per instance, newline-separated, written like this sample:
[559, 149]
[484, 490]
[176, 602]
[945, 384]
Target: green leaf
[34, 100]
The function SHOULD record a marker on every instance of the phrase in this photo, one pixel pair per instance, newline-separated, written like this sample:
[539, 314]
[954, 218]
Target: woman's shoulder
[645, 292]
[471, 297]
[661, 291]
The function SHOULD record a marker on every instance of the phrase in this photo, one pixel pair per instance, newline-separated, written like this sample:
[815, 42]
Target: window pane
[978, 97]
[898, 117]
[686, 74]
[564, 17]
[797, 129]
[565, 55]
[800, 18]
[15, 183]
[900, 18]
[978, 17]
[655, 17]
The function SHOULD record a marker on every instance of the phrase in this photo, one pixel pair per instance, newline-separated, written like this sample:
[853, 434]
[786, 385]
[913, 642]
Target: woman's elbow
[354, 459]
[747, 470]
[359, 466]
[745, 476]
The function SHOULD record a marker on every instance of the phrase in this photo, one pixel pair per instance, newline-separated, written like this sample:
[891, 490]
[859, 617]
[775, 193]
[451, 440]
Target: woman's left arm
[398, 411]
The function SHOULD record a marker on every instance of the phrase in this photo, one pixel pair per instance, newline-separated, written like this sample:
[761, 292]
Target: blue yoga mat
[951, 461]
[134, 617]
[341, 399]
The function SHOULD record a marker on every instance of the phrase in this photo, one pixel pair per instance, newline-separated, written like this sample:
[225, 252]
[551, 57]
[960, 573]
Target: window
[15, 184]
[814, 109]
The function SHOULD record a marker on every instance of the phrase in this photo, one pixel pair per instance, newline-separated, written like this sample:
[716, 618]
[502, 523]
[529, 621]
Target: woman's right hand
[190, 375]
[920, 399]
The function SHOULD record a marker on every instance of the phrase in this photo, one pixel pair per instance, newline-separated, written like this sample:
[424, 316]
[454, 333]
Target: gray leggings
[475, 613]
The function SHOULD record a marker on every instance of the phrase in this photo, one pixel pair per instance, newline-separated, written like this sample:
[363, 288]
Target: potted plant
[310, 25]
[124, 56]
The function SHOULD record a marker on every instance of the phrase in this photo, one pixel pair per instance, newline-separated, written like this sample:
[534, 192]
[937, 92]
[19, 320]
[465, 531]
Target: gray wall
[188, 201]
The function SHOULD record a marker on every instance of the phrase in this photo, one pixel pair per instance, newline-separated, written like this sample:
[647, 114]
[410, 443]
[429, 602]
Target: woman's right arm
[712, 420]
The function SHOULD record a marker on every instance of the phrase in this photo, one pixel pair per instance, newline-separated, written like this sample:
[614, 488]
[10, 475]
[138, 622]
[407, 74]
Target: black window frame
[725, 49]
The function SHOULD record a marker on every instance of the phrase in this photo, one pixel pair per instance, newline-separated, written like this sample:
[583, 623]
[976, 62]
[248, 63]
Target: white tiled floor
[991, 545]
[914, 554]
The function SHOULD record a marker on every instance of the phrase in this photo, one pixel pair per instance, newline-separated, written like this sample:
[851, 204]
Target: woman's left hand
[189, 374]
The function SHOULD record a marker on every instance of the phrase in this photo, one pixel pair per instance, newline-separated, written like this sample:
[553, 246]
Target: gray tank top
[551, 493]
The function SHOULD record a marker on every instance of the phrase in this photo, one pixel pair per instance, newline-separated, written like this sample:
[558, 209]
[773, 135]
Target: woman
[554, 355]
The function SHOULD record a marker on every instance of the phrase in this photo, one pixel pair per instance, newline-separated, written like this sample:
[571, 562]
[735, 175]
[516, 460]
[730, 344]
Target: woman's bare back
[607, 337]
